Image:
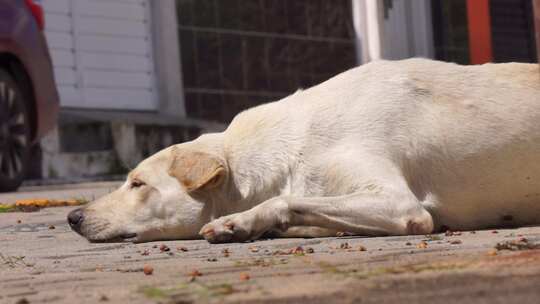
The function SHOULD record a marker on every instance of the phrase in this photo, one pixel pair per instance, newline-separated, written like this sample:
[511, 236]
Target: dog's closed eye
[136, 183]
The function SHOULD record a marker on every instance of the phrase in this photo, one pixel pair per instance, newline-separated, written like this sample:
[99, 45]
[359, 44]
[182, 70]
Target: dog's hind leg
[389, 213]
[305, 232]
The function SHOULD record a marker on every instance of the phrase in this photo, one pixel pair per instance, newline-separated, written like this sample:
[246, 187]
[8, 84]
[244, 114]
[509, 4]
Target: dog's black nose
[75, 219]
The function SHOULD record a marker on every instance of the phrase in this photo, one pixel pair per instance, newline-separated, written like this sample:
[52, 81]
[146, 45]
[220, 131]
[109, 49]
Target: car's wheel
[15, 130]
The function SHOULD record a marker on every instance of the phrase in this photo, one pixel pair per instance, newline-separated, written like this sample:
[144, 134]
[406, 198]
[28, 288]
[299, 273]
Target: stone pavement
[42, 261]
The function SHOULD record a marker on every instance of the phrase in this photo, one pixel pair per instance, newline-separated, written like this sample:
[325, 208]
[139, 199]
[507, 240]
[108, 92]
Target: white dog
[388, 148]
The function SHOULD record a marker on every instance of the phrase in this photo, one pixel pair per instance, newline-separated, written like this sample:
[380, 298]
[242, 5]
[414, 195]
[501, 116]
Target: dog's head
[167, 196]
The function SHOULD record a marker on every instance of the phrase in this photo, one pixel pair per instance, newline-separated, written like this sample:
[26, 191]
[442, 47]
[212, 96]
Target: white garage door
[102, 53]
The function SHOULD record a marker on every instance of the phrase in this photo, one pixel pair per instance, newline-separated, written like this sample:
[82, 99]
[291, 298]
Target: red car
[28, 97]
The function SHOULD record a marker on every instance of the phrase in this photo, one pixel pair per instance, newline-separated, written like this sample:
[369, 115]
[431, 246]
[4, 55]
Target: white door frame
[406, 30]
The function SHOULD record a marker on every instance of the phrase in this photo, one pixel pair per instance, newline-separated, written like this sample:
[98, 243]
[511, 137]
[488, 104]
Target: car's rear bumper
[36, 63]
[46, 96]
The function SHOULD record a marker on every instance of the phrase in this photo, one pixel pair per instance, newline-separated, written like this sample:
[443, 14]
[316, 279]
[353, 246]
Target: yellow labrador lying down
[388, 148]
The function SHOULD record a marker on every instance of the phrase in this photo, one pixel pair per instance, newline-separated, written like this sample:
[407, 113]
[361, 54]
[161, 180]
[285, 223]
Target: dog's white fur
[388, 148]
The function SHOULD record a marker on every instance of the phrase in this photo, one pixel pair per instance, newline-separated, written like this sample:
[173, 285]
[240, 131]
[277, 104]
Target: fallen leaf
[297, 250]
[422, 245]
[195, 273]
[43, 203]
[519, 244]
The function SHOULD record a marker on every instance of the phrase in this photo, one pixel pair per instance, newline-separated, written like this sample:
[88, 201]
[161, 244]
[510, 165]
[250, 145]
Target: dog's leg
[390, 213]
[308, 232]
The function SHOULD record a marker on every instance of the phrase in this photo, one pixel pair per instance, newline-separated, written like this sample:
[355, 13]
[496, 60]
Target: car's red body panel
[21, 38]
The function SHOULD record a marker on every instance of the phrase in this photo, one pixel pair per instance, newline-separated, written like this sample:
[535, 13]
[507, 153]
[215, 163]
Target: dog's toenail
[208, 231]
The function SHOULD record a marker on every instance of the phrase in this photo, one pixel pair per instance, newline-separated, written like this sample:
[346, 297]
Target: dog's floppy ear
[195, 169]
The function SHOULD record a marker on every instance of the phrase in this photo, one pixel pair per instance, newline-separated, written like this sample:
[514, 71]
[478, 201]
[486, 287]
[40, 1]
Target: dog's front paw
[226, 229]
[248, 225]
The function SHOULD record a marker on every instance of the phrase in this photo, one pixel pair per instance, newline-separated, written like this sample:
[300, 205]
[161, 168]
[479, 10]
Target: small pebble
[244, 276]
[51, 227]
[452, 233]
[344, 246]
[148, 270]
[103, 298]
[164, 248]
[195, 273]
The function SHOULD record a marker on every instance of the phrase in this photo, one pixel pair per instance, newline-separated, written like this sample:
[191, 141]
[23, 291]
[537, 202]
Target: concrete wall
[90, 147]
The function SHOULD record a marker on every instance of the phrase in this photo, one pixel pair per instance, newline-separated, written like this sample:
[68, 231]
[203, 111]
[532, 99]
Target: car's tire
[15, 132]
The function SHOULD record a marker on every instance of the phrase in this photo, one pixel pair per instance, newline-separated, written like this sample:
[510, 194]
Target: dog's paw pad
[224, 230]
[218, 232]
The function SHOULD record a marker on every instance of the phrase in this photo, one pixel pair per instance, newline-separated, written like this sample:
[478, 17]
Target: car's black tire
[15, 132]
